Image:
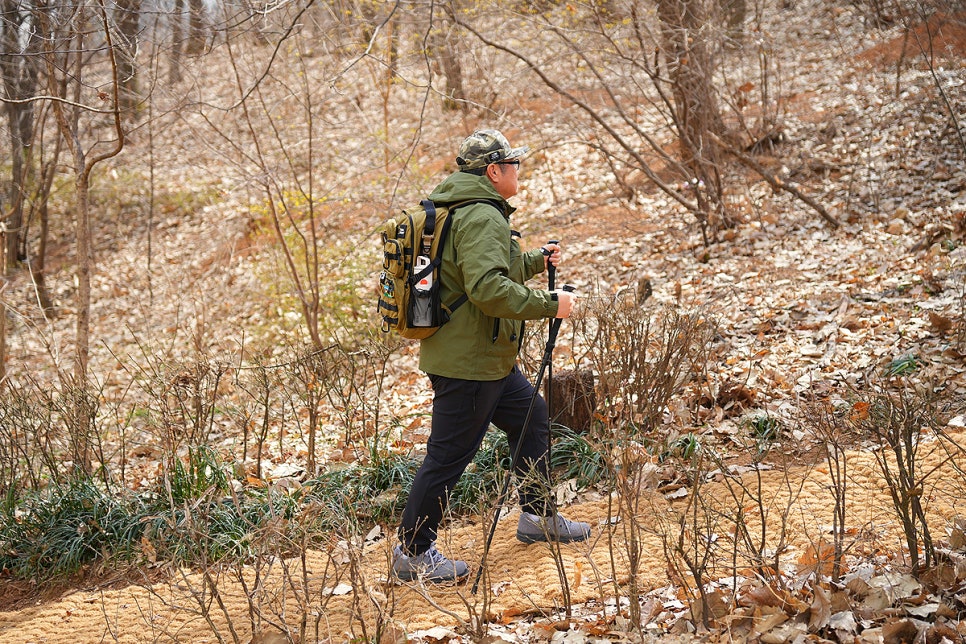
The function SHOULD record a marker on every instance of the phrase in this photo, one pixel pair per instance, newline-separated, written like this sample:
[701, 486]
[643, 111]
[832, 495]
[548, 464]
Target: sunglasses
[515, 162]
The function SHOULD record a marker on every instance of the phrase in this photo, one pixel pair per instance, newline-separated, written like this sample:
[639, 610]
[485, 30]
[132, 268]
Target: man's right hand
[566, 301]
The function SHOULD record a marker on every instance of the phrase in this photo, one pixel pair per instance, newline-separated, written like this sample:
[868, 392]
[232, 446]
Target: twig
[774, 181]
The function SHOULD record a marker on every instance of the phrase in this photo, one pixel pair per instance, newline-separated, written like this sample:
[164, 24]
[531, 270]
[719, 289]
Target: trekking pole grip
[551, 269]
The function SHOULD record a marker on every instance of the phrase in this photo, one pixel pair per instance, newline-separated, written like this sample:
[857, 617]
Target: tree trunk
[734, 12]
[687, 37]
[177, 38]
[3, 321]
[685, 33]
[81, 447]
[38, 263]
[18, 67]
[13, 223]
[197, 33]
[128, 19]
[68, 121]
[572, 399]
[41, 199]
[65, 57]
[445, 53]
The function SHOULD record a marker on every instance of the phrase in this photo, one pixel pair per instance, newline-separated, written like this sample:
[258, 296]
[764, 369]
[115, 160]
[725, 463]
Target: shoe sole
[433, 580]
[537, 538]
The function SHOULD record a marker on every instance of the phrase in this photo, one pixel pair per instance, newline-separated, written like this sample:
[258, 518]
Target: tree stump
[572, 398]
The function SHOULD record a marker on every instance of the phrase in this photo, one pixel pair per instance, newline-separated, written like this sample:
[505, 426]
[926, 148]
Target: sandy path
[523, 578]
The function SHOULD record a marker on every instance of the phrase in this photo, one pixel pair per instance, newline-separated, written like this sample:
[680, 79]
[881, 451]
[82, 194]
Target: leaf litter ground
[805, 310]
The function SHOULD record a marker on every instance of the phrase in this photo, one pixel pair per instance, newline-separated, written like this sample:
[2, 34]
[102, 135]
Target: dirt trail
[523, 578]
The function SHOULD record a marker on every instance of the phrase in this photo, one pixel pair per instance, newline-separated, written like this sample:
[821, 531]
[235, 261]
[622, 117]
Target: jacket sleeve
[535, 262]
[483, 254]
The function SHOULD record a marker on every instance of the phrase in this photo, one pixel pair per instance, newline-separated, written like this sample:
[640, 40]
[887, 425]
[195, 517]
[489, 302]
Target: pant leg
[462, 411]
[533, 468]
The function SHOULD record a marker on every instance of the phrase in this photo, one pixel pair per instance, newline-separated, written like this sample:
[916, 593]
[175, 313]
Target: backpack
[409, 283]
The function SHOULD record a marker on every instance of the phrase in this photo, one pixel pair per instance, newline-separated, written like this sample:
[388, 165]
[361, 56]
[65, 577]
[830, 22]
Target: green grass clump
[765, 428]
[199, 475]
[903, 366]
[218, 528]
[575, 457]
[374, 489]
[198, 515]
[56, 532]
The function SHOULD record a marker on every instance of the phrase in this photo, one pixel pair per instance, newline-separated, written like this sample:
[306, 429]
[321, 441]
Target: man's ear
[492, 171]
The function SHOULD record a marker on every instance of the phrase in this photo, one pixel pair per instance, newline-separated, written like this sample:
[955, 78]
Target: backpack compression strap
[429, 228]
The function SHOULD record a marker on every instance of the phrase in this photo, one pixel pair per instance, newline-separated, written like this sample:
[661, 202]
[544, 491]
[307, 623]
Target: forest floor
[805, 311]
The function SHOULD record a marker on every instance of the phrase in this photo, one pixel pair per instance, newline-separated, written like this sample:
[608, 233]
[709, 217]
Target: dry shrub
[643, 357]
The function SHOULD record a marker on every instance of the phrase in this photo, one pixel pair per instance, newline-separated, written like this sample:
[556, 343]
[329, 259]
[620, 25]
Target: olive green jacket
[482, 260]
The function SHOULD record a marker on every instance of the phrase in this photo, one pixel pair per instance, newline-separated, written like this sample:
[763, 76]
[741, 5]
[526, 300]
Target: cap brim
[516, 153]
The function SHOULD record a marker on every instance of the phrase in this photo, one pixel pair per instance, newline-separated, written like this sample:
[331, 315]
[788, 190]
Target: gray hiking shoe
[431, 566]
[532, 528]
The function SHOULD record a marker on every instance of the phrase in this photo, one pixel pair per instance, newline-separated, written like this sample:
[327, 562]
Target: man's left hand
[551, 254]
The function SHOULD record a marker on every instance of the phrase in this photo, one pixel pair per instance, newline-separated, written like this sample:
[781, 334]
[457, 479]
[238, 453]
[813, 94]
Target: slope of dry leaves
[805, 310]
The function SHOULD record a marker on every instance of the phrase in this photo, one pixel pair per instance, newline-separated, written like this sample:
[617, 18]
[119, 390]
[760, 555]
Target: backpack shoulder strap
[446, 225]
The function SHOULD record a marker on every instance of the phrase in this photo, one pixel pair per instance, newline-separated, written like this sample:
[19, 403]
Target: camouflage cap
[484, 147]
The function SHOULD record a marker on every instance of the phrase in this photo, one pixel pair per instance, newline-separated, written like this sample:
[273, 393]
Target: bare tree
[33, 162]
[67, 36]
[176, 19]
[643, 76]
[612, 57]
[197, 30]
[19, 70]
[127, 18]
[19, 75]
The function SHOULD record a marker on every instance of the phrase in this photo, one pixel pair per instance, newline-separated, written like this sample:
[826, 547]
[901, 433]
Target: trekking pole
[551, 285]
[501, 499]
[551, 269]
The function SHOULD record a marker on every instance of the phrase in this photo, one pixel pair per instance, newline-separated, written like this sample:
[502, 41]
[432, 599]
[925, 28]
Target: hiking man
[471, 360]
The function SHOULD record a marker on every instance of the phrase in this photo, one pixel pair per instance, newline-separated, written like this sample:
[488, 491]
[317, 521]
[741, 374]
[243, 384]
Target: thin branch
[116, 90]
[777, 183]
[549, 82]
[268, 66]
[57, 99]
[370, 44]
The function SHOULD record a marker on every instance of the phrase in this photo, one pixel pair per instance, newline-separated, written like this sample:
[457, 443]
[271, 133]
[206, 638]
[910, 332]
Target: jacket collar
[462, 186]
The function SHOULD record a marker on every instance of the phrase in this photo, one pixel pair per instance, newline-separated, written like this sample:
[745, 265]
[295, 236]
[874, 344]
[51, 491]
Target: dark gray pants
[462, 412]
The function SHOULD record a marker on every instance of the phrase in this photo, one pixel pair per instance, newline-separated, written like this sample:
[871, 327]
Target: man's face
[505, 177]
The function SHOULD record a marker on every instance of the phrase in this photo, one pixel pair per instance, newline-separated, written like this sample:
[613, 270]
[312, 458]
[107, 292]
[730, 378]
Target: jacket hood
[462, 186]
